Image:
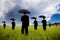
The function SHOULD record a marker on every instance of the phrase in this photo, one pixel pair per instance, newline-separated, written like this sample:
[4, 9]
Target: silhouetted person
[56, 24]
[13, 24]
[25, 24]
[49, 24]
[4, 25]
[35, 24]
[25, 20]
[44, 23]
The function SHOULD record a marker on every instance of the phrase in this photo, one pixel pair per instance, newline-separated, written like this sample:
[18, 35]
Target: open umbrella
[42, 16]
[24, 11]
[3, 22]
[33, 18]
[12, 19]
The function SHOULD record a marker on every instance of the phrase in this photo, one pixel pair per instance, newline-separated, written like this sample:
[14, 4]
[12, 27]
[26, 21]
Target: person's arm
[34, 22]
[42, 21]
[46, 23]
[37, 23]
[5, 24]
[28, 21]
[21, 18]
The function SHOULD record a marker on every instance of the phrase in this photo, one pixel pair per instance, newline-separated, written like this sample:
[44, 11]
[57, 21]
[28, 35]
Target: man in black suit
[25, 24]
[35, 24]
[13, 24]
[44, 23]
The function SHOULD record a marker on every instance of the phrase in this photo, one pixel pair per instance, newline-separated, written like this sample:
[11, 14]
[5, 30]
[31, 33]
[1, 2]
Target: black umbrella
[24, 11]
[12, 19]
[42, 16]
[3, 22]
[33, 18]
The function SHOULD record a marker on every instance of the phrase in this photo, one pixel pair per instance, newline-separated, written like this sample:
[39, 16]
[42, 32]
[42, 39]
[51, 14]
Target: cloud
[42, 7]
[4, 7]
[49, 11]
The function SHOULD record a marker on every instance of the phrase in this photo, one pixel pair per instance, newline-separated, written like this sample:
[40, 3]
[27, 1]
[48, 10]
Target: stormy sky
[9, 9]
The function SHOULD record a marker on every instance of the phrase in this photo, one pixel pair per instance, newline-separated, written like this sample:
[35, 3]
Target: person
[35, 24]
[13, 24]
[25, 24]
[44, 24]
[4, 25]
[49, 24]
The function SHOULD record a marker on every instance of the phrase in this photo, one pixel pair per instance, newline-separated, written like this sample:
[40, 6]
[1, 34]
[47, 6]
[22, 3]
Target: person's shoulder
[23, 16]
[45, 20]
[26, 15]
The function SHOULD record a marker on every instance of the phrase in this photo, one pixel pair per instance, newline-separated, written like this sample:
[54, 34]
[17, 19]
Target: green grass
[52, 33]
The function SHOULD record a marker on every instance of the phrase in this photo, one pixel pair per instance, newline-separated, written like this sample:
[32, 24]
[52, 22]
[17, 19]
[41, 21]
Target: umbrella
[12, 19]
[24, 11]
[42, 16]
[3, 22]
[33, 18]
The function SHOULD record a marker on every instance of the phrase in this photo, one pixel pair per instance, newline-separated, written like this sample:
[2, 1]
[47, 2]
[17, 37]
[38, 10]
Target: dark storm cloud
[13, 13]
[10, 8]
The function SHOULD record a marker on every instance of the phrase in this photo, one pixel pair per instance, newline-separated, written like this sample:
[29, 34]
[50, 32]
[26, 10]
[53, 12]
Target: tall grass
[52, 33]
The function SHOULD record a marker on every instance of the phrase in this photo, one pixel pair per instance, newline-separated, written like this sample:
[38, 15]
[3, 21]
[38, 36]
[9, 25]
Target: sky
[9, 9]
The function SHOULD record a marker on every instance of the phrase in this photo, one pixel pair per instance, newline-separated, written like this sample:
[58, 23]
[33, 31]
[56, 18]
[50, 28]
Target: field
[52, 33]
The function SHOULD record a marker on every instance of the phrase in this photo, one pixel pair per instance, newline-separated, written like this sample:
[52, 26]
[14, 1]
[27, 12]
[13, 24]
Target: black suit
[35, 24]
[44, 24]
[13, 25]
[25, 23]
[4, 25]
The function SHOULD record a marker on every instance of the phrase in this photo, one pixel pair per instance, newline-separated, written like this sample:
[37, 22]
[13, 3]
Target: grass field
[52, 33]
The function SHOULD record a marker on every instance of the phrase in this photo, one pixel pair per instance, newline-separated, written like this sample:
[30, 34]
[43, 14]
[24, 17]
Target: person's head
[43, 18]
[35, 19]
[4, 23]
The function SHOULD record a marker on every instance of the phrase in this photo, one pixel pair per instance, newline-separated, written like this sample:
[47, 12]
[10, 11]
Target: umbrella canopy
[24, 11]
[33, 18]
[42, 16]
[12, 19]
[3, 22]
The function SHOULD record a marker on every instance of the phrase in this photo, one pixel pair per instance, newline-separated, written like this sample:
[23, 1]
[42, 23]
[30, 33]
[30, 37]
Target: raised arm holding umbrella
[4, 24]
[35, 22]
[13, 23]
[24, 20]
[49, 24]
[43, 21]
